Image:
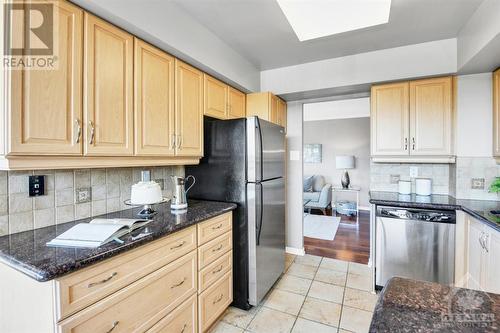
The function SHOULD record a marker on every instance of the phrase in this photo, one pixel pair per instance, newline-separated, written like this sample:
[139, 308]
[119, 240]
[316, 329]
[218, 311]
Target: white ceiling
[258, 30]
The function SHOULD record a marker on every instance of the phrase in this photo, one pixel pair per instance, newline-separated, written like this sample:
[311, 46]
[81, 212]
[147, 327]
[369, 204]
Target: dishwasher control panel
[428, 215]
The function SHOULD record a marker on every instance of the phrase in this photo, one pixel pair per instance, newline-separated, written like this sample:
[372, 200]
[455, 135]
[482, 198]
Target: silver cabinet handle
[93, 284]
[485, 242]
[413, 142]
[178, 246]
[179, 143]
[218, 269]
[218, 299]
[184, 328]
[172, 142]
[113, 327]
[217, 227]
[406, 143]
[78, 130]
[218, 248]
[178, 284]
[480, 240]
[92, 132]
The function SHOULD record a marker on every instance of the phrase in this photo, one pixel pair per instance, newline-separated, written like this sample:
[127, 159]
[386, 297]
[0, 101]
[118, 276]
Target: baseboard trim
[294, 250]
[363, 208]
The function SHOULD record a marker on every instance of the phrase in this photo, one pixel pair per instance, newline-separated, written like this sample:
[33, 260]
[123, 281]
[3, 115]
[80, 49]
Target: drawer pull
[184, 328]
[178, 246]
[93, 284]
[217, 227]
[218, 299]
[113, 327]
[178, 284]
[218, 248]
[218, 270]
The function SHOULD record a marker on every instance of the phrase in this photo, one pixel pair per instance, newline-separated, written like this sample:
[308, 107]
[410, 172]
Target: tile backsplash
[109, 188]
[441, 175]
[469, 168]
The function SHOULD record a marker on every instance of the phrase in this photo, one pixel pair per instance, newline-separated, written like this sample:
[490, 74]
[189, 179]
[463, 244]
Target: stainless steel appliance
[415, 243]
[179, 199]
[244, 163]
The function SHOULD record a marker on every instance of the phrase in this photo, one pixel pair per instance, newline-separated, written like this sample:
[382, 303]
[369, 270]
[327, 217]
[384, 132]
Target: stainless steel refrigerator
[244, 163]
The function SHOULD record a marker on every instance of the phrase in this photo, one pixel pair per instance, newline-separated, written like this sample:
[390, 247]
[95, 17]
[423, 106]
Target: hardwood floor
[350, 243]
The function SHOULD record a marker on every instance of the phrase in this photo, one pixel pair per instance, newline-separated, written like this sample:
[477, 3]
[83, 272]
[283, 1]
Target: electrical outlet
[161, 183]
[83, 194]
[413, 172]
[36, 185]
[395, 179]
[477, 184]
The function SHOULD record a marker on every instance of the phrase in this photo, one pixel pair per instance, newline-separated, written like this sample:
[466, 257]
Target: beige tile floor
[315, 295]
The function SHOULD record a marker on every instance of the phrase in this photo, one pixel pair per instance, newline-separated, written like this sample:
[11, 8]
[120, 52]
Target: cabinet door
[154, 101]
[491, 267]
[390, 120]
[46, 104]
[108, 107]
[259, 105]
[274, 108]
[237, 104]
[474, 254]
[282, 113]
[188, 110]
[496, 113]
[216, 103]
[431, 116]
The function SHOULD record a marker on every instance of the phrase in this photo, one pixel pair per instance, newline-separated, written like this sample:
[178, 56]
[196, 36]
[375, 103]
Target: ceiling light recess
[312, 19]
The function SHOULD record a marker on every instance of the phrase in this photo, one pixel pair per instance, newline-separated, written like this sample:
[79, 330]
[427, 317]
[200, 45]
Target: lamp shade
[344, 162]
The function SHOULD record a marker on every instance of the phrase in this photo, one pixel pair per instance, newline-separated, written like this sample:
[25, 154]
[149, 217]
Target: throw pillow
[318, 183]
[308, 184]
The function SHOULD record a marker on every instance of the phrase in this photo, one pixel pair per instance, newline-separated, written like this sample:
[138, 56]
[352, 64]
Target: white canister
[423, 186]
[404, 187]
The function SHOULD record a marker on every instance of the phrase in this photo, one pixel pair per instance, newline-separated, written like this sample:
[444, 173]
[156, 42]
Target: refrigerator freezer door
[266, 144]
[266, 236]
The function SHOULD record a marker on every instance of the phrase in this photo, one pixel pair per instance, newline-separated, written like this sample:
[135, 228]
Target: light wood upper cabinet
[188, 110]
[154, 100]
[216, 94]
[496, 113]
[236, 103]
[281, 113]
[390, 119]
[431, 116]
[46, 112]
[108, 94]
[266, 106]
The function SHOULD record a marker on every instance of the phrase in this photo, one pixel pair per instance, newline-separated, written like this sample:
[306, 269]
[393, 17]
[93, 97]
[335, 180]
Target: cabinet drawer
[88, 286]
[214, 271]
[183, 319]
[214, 301]
[212, 250]
[215, 227]
[139, 306]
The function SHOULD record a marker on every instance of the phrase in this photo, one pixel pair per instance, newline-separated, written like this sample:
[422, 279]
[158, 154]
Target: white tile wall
[476, 167]
[109, 187]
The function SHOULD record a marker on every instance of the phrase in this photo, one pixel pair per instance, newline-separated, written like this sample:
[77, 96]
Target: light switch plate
[413, 172]
[477, 184]
[395, 179]
[294, 155]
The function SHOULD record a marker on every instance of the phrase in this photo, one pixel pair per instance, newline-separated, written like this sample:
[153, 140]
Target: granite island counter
[407, 305]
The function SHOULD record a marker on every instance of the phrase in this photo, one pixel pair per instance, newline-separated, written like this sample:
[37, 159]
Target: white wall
[169, 27]
[474, 115]
[294, 238]
[341, 137]
[341, 109]
[432, 58]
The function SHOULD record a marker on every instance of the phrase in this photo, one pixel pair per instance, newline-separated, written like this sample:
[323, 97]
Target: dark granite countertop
[27, 252]
[480, 209]
[415, 306]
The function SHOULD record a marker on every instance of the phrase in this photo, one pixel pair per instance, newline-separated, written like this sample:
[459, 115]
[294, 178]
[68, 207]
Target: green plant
[495, 186]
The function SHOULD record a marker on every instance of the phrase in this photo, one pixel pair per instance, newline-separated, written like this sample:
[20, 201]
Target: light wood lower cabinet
[153, 288]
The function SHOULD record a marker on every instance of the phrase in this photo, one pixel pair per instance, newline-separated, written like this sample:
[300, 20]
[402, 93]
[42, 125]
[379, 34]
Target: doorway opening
[336, 179]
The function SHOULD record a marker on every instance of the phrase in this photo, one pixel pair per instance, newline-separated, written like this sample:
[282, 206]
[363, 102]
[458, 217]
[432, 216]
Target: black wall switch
[36, 186]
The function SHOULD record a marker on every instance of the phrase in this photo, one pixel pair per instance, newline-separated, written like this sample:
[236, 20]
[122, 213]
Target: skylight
[312, 19]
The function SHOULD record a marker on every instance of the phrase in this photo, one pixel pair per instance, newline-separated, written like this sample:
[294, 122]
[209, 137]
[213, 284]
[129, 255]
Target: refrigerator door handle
[260, 215]
[261, 150]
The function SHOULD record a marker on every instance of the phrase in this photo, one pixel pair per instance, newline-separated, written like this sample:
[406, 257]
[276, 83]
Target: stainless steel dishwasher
[414, 243]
